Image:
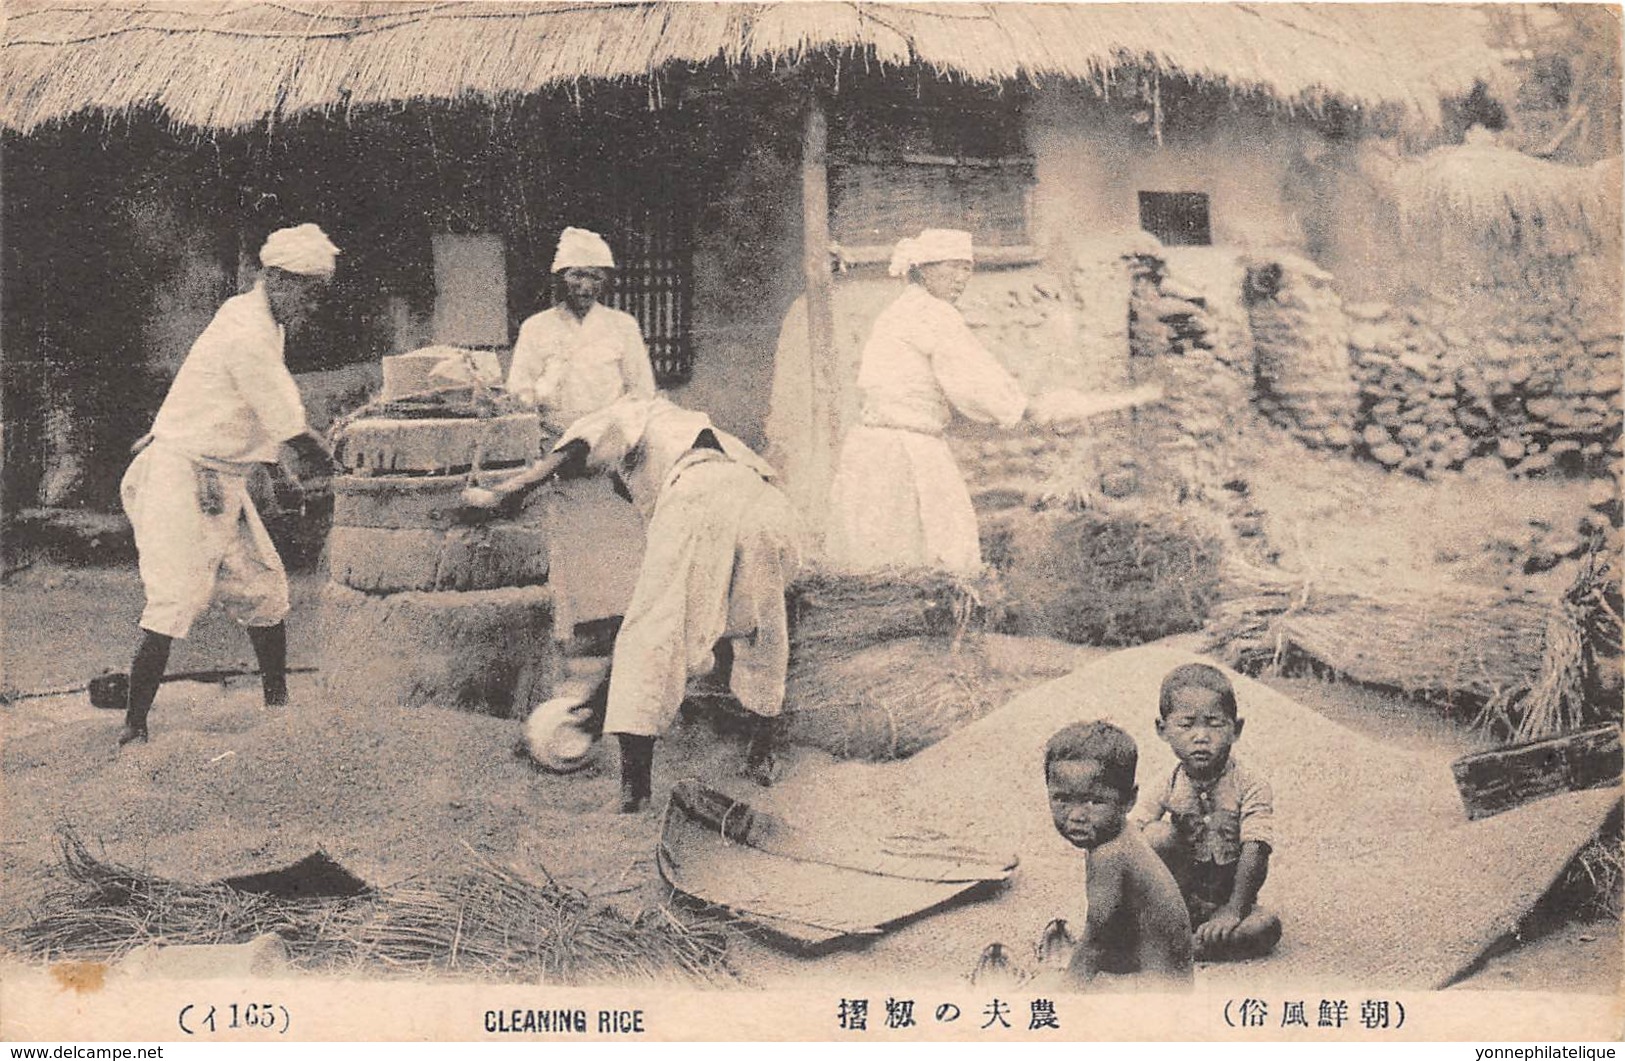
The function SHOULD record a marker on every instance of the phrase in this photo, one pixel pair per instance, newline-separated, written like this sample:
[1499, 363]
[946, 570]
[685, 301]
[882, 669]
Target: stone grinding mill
[420, 608]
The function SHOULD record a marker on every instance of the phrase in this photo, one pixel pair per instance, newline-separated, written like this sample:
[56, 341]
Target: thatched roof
[1503, 197]
[234, 64]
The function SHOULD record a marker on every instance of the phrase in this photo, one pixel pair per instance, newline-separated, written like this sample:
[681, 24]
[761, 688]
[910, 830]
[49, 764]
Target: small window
[1178, 219]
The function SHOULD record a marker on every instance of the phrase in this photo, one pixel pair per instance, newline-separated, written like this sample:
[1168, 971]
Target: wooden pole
[820, 293]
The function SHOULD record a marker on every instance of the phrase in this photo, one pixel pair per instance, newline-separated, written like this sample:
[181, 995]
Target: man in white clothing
[570, 361]
[723, 545]
[581, 355]
[232, 406]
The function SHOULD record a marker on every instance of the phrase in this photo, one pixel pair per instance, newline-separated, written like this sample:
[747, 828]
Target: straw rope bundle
[482, 919]
[889, 700]
[1581, 638]
[832, 615]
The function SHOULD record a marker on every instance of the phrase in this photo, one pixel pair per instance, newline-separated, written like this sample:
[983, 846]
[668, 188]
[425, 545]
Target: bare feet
[993, 965]
[1055, 945]
[132, 733]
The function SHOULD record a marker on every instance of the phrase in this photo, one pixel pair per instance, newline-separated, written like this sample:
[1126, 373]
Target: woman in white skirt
[898, 499]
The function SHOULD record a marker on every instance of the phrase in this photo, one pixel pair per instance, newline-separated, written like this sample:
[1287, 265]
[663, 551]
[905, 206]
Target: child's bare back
[1137, 924]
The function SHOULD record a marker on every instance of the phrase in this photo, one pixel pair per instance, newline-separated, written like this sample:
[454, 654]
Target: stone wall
[1530, 384]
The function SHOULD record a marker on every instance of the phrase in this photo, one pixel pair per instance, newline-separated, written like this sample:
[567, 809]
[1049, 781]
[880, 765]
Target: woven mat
[1377, 875]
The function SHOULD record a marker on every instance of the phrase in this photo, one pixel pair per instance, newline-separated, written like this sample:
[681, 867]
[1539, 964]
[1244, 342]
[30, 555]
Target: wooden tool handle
[511, 489]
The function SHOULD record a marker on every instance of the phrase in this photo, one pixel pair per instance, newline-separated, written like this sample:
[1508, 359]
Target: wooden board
[381, 446]
[389, 560]
[807, 889]
[1496, 781]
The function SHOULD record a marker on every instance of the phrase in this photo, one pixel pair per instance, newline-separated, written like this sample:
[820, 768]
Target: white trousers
[189, 559]
[723, 544]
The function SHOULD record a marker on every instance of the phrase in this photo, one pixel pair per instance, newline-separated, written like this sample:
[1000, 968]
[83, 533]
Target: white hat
[303, 249]
[580, 249]
[931, 245]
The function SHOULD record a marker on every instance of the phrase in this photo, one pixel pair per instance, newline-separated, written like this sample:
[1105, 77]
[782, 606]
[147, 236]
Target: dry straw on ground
[479, 919]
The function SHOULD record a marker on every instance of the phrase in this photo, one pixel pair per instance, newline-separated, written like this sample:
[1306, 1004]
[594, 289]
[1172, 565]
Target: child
[1218, 835]
[1136, 922]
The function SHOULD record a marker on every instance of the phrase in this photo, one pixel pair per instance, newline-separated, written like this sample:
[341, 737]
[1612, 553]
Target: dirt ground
[60, 626]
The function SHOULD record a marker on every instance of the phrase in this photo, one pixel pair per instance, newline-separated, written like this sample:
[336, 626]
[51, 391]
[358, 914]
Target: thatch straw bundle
[293, 57]
[1467, 648]
[1580, 659]
[482, 919]
[884, 663]
[832, 615]
[1511, 200]
[889, 700]
[1120, 577]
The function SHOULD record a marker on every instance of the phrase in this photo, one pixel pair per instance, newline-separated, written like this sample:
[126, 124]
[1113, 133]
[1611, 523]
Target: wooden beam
[820, 287]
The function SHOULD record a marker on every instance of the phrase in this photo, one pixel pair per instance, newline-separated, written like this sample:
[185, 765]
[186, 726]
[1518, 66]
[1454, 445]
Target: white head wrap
[303, 249]
[931, 245]
[580, 249]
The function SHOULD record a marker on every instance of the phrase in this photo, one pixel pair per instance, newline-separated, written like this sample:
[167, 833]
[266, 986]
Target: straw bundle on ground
[1462, 649]
[882, 664]
[483, 920]
[888, 700]
[1578, 684]
[1471, 648]
[833, 614]
[1120, 577]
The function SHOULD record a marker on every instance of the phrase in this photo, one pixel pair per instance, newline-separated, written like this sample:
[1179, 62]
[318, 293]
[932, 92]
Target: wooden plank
[820, 296]
[1496, 781]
